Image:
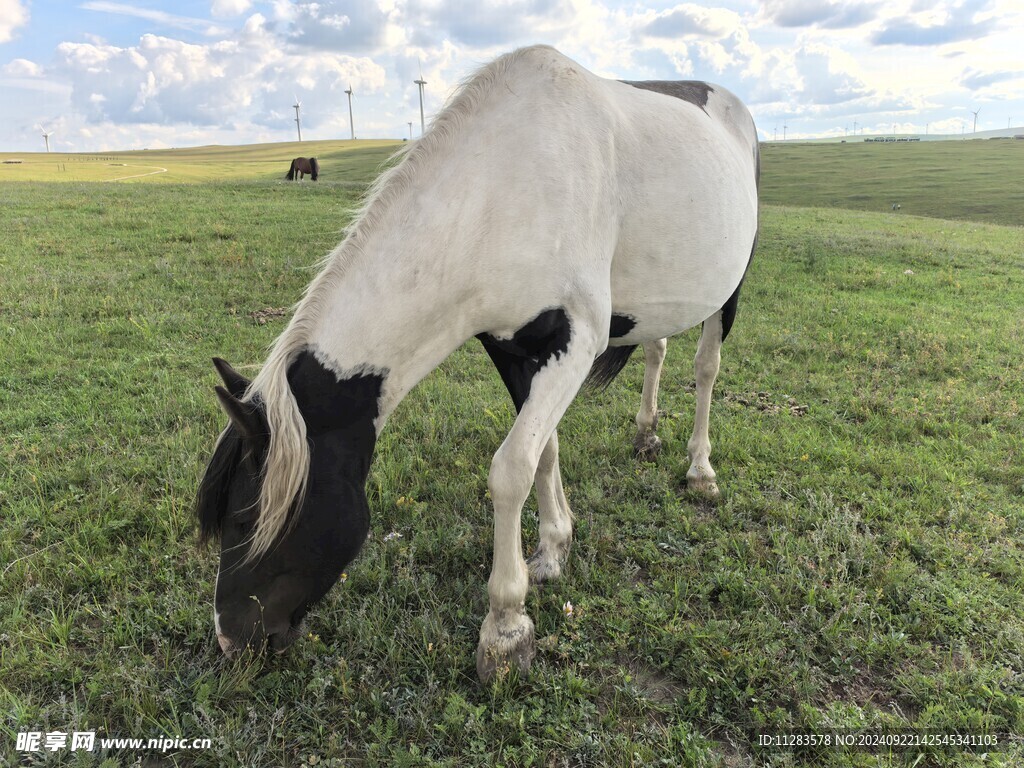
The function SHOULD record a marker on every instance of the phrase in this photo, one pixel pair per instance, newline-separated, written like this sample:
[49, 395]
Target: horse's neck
[384, 311]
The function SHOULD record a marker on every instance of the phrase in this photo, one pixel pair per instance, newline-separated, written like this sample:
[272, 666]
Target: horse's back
[570, 187]
[688, 171]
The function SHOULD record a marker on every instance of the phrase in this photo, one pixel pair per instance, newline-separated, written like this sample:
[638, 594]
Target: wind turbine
[297, 106]
[46, 136]
[410, 130]
[351, 123]
[421, 82]
[975, 113]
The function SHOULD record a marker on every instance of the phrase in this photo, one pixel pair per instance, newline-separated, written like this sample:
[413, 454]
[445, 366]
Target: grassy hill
[966, 180]
[355, 162]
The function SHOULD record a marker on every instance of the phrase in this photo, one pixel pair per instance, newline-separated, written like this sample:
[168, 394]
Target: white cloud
[22, 68]
[816, 59]
[939, 24]
[827, 76]
[828, 14]
[161, 80]
[13, 14]
[337, 25]
[692, 20]
[980, 80]
[223, 9]
[159, 17]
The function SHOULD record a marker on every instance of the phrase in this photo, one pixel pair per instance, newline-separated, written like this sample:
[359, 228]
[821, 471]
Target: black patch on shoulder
[327, 403]
[531, 347]
[620, 326]
[694, 91]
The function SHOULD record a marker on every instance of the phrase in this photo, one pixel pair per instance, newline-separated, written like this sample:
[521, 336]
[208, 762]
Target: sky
[133, 74]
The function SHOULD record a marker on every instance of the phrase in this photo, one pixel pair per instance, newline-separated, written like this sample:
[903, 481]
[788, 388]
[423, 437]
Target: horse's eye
[253, 463]
[246, 517]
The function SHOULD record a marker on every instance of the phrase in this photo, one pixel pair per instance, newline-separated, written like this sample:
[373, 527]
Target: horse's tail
[608, 365]
[314, 168]
[291, 172]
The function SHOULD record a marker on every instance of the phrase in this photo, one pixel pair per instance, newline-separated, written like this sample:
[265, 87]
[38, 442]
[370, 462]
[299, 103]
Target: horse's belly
[688, 223]
[667, 287]
[657, 321]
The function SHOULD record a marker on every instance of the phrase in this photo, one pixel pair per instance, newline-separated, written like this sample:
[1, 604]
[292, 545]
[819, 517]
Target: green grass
[965, 180]
[962, 180]
[353, 162]
[864, 568]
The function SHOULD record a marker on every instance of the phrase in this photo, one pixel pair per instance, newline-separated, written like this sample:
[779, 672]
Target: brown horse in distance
[303, 165]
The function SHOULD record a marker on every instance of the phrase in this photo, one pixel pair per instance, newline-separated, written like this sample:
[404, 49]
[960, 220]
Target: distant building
[890, 139]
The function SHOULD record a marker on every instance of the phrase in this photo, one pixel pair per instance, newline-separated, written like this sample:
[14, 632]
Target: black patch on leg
[516, 372]
[693, 91]
[620, 326]
[531, 347]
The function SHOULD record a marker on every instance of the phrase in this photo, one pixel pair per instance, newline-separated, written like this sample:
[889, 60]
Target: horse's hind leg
[646, 444]
[701, 477]
[555, 517]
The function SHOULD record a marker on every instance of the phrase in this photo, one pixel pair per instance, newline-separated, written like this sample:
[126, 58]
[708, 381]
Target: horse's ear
[247, 417]
[235, 382]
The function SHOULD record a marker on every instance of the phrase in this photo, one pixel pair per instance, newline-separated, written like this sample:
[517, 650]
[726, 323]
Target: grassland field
[862, 573]
[962, 180]
[345, 162]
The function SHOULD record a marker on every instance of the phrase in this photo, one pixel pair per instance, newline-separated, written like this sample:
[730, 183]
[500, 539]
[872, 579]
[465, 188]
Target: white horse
[562, 219]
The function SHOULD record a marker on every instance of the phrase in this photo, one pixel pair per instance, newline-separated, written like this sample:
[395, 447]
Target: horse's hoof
[705, 487]
[503, 647]
[646, 446]
[545, 565]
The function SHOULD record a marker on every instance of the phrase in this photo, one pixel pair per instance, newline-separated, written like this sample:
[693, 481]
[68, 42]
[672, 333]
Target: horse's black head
[262, 600]
[314, 168]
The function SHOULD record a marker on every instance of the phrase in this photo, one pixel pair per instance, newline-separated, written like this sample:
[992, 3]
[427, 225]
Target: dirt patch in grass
[768, 403]
[262, 316]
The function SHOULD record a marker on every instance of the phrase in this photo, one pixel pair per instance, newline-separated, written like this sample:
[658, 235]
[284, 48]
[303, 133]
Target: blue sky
[101, 74]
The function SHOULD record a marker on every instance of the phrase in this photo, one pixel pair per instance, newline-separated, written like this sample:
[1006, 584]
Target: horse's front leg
[555, 517]
[517, 373]
[507, 634]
